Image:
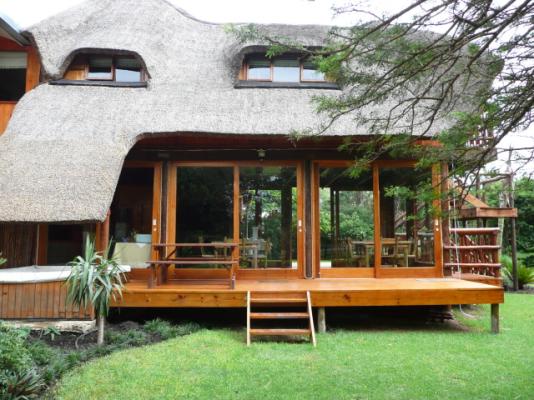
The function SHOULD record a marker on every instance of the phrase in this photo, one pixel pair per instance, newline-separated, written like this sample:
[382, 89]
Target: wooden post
[510, 184]
[321, 319]
[495, 318]
[102, 235]
[285, 236]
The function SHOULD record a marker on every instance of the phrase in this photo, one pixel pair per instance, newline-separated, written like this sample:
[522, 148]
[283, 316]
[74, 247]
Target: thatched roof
[62, 153]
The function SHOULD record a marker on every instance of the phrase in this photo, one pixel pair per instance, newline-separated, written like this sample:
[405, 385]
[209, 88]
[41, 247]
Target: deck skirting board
[379, 292]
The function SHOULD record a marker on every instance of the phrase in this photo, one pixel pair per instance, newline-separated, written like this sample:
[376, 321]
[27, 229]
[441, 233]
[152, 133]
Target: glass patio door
[257, 206]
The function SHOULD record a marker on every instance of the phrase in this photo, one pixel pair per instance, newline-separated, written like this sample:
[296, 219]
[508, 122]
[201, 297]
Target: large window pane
[286, 70]
[406, 217]
[100, 67]
[204, 207]
[259, 69]
[131, 216]
[268, 220]
[127, 69]
[310, 72]
[346, 218]
[12, 75]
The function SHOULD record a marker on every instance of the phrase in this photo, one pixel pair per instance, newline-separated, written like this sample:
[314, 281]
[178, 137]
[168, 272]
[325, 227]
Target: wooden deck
[324, 292]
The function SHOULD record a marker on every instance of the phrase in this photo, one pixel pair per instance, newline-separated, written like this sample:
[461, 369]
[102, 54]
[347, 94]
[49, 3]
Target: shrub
[15, 355]
[525, 275]
[20, 385]
[2, 260]
[165, 330]
[129, 338]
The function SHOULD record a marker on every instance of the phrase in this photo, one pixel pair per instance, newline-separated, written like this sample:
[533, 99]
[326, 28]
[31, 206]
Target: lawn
[431, 363]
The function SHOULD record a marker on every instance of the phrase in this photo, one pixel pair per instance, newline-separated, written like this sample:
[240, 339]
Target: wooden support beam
[102, 234]
[495, 323]
[321, 319]
[42, 245]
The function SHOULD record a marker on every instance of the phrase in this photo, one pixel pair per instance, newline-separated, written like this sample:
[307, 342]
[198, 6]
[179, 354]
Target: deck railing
[473, 251]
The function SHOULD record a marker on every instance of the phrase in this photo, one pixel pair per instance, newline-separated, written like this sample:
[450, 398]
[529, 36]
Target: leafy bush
[15, 355]
[20, 385]
[165, 330]
[525, 275]
[2, 260]
[129, 338]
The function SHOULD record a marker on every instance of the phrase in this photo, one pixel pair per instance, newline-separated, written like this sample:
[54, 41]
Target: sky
[27, 12]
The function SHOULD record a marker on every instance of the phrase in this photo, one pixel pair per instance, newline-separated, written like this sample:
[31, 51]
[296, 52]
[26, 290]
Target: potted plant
[93, 280]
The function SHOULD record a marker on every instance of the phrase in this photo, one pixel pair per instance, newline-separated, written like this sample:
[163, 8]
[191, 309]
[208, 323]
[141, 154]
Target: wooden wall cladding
[17, 244]
[40, 300]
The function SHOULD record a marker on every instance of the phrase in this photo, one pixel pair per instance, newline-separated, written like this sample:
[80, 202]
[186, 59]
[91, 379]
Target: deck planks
[324, 293]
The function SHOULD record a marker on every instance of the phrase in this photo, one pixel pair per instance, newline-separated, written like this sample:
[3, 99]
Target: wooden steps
[271, 304]
[279, 332]
[278, 315]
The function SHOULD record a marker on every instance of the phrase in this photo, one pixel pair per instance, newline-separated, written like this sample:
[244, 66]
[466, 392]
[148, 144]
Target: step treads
[282, 300]
[279, 332]
[279, 315]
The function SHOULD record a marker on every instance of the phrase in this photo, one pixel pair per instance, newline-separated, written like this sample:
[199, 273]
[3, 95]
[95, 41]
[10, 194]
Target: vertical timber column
[308, 227]
[102, 234]
[321, 319]
[495, 323]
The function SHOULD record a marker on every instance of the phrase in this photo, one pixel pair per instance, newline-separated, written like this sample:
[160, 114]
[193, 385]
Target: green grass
[430, 363]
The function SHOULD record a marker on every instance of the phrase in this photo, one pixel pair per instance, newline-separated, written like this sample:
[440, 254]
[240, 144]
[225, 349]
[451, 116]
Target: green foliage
[2, 260]
[129, 338]
[51, 331]
[165, 330]
[93, 280]
[525, 275]
[524, 202]
[15, 357]
[20, 385]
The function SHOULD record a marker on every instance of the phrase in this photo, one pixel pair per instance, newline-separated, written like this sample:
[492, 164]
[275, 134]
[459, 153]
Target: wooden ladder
[270, 305]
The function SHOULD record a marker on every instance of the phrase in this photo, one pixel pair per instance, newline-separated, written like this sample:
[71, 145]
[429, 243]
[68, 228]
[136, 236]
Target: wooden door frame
[267, 273]
[378, 271]
[157, 167]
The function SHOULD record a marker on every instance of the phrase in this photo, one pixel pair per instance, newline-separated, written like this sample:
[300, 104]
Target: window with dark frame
[13, 66]
[287, 68]
[114, 68]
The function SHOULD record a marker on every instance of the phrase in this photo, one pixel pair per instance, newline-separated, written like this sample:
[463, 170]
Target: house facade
[168, 137]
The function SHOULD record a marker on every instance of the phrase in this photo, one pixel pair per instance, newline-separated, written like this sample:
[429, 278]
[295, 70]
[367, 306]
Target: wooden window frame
[244, 72]
[241, 273]
[378, 271]
[113, 67]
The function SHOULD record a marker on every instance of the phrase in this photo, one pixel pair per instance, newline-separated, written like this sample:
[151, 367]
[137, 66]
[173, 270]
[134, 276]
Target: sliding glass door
[377, 223]
[255, 205]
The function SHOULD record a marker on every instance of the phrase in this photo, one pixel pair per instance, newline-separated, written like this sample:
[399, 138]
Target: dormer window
[280, 69]
[118, 69]
[103, 69]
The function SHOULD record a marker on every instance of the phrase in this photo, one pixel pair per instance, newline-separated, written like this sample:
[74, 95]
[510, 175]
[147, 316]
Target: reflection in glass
[286, 70]
[268, 217]
[346, 219]
[406, 217]
[259, 69]
[204, 206]
[127, 69]
[100, 67]
[311, 73]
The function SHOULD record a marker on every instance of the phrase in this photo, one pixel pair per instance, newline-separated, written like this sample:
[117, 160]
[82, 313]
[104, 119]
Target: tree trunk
[101, 321]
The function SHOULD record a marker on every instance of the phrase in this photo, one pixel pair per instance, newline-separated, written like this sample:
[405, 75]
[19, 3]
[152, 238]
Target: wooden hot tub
[37, 292]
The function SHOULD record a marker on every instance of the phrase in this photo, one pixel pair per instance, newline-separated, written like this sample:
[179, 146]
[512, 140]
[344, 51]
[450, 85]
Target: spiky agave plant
[94, 279]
